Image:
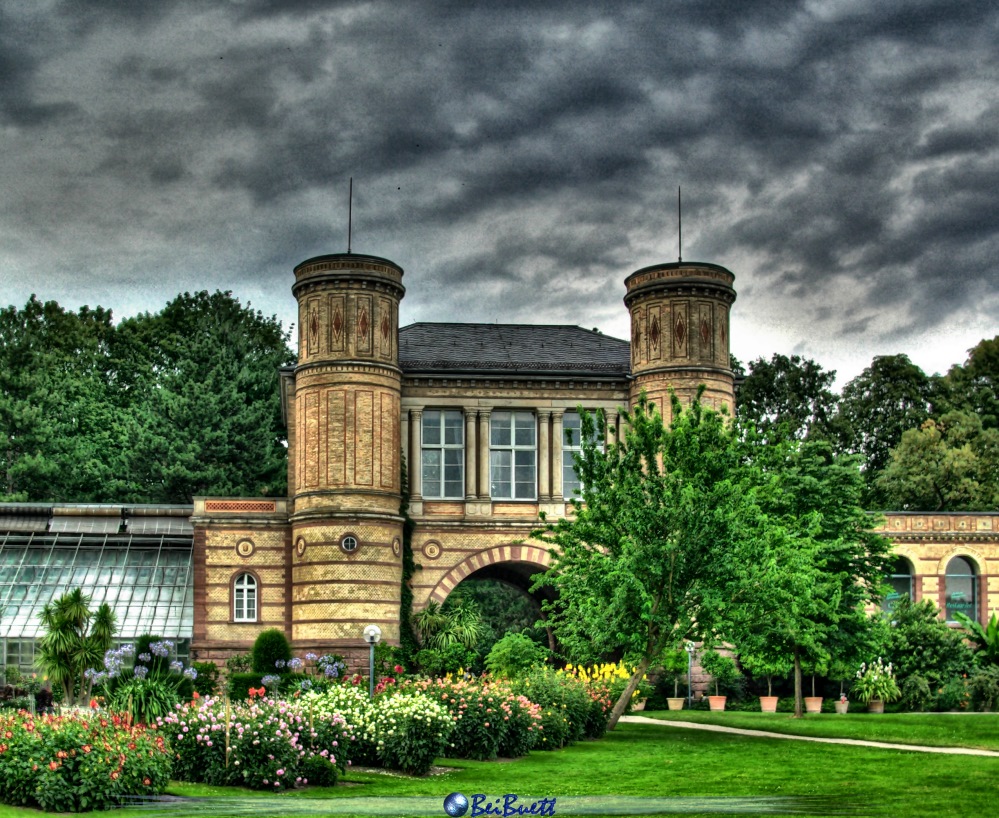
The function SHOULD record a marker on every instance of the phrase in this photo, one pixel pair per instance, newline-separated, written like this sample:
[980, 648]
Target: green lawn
[976, 730]
[654, 761]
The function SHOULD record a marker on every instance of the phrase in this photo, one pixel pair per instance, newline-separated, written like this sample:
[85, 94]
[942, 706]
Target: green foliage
[876, 681]
[240, 684]
[270, 648]
[239, 663]
[948, 464]
[78, 763]
[974, 386]
[441, 626]
[916, 693]
[207, 680]
[917, 641]
[767, 667]
[75, 639]
[889, 397]
[565, 705]
[145, 700]
[452, 659]
[788, 396]
[986, 639]
[514, 654]
[637, 564]
[722, 669]
[503, 609]
[983, 686]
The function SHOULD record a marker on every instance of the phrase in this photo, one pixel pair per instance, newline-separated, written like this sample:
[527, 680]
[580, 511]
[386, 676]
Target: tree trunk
[622, 703]
[799, 701]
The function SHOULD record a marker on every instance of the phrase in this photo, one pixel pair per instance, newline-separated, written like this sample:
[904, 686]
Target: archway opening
[900, 583]
[961, 589]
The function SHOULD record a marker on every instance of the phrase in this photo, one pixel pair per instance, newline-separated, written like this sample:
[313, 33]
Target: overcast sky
[517, 159]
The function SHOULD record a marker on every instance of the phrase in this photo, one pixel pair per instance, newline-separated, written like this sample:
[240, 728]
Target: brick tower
[680, 333]
[344, 454]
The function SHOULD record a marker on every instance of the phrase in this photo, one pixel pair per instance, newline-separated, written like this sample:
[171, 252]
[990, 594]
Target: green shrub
[441, 662]
[239, 663]
[207, 681]
[514, 654]
[412, 730]
[240, 684]
[62, 764]
[983, 687]
[916, 641]
[271, 648]
[145, 700]
[953, 695]
[522, 718]
[565, 705]
[916, 693]
[17, 703]
[722, 669]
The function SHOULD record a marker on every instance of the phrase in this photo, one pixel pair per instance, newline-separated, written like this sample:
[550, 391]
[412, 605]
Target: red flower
[398, 668]
[147, 782]
[114, 775]
[93, 704]
[53, 765]
[86, 748]
[116, 720]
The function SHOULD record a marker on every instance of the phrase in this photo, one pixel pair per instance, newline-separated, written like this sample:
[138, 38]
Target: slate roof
[514, 349]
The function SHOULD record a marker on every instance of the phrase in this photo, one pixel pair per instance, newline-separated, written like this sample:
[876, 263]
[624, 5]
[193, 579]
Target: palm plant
[75, 639]
[439, 627]
[987, 637]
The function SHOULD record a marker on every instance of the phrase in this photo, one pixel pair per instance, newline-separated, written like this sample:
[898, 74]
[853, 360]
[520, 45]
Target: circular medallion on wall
[245, 548]
[300, 546]
[396, 547]
[432, 550]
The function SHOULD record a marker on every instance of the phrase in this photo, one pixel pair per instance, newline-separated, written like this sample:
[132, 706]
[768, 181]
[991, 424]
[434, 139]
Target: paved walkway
[718, 728]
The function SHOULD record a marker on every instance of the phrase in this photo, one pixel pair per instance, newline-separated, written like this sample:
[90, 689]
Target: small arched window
[244, 598]
[961, 589]
[899, 583]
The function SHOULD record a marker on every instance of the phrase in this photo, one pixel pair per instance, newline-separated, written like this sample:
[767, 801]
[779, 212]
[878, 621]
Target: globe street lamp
[372, 635]
[690, 647]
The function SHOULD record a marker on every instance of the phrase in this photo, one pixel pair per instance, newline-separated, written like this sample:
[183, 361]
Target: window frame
[889, 602]
[518, 454]
[247, 577]
[972, 609]
[442, 448]
[569, 467]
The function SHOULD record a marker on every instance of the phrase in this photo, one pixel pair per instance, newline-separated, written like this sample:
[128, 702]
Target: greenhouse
[137, 559]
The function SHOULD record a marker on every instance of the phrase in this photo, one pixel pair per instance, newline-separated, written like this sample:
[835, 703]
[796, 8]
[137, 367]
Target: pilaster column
[484, 416]
[470, 451]
[415, 454]
[558, 438]
[544, 458]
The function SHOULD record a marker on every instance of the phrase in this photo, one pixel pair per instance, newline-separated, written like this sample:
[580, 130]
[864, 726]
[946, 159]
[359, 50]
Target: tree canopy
[155, 409]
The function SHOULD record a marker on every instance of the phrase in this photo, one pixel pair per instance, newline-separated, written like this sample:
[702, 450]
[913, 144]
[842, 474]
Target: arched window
[899, 583]
[244, 598]
[961, 596]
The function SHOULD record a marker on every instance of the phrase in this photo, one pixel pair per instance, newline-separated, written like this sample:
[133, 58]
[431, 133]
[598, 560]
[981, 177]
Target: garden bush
[515, 653]
[240, 685]
[272, 744]
[78, 762]
[411, 730]
[983, 687]
[270, 648]
[207, 680]
[564, 702]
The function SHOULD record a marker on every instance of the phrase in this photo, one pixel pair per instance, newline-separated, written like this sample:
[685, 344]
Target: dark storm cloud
[841, 156]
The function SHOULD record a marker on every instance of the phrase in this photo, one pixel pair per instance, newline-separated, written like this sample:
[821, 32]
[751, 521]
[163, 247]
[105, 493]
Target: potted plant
[768, 667]
[843, 704]
[675, 666]
[723, 671]
[840, 671]
[876, 685]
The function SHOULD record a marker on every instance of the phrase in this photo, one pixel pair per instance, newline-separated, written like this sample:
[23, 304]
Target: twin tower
[481, 418]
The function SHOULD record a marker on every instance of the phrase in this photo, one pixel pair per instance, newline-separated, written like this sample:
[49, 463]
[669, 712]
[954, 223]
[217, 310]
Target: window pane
[500, 463]
[499, 429]
[454, 428]
[431, 472]
[571, 424]
[525, 429]
[431, 428]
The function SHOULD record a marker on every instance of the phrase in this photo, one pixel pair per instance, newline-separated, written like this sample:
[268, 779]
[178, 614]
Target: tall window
[960, 591]
[572, 445]
[513, 456]
[443, 454]
[899, 584]
[244, 598]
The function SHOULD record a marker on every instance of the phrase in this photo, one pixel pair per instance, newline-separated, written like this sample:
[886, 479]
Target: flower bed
[261, 744]
[78, 762]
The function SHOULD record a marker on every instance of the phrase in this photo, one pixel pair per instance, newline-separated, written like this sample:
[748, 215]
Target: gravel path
[717, 728]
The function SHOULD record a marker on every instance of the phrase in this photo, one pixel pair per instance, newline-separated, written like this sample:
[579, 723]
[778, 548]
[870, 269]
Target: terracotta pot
[638, 705]
[813, 704]
[768, 704]
[876, 706]
[842, 707]
[675, 704]
[717, 702]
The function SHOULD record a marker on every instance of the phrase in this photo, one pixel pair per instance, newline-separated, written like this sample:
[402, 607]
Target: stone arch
[531, 555]
[974, 556]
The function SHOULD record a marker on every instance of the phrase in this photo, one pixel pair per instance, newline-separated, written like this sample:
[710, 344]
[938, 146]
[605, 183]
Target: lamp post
[690, 647]
[372, 635]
